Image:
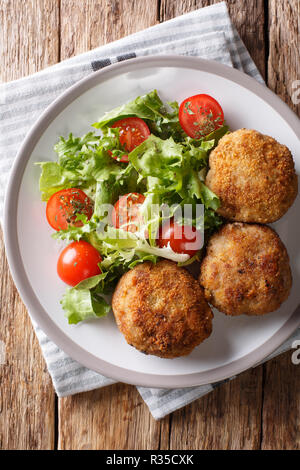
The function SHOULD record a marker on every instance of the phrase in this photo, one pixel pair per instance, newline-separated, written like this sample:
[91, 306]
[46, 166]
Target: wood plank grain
[89, 24]
[28, 42]
[29, 36]
[284, 56]
[227, 418]
[114, 417]
[247, 16]
[281, 405]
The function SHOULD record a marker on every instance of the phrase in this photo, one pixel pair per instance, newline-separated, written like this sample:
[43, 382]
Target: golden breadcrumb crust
[254, 177]
[161, 309]
[246, 270]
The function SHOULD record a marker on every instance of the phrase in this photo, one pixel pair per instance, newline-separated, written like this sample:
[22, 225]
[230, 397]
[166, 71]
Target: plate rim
[31, 301]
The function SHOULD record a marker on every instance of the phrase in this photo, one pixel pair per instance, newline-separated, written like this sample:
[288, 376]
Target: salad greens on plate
[141, 155]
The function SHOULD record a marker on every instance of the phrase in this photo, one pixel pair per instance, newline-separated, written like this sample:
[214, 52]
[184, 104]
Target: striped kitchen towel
[206, 33]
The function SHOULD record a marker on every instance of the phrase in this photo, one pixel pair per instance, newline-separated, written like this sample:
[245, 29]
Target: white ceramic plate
[236, 343]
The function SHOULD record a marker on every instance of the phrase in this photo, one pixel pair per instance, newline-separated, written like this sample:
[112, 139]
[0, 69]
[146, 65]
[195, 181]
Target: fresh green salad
[114, 194]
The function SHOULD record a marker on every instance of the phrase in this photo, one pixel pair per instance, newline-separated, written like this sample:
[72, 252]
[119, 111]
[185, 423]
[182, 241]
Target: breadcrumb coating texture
[254, 177]
[161, 309]
[246, 270]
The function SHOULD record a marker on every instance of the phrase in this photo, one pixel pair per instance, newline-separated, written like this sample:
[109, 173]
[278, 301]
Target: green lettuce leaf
[86, 163]
[168, 168]
[129, 244]
[176, 167]
[161, 118]
[210, 200]
[54, 177]
[148, 107]
[83, 301]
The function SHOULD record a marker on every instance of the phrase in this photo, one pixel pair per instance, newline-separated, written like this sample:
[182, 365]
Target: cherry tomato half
[199, 115]
[63, 207]
[182, 238]
[126, 212]
[77, 262]
[133, 131]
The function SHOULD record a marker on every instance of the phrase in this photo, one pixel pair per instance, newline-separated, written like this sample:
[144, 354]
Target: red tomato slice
[77, 262]
[124, 158]
[133, 131]
[182, 238]
[63, 207]
[126, 213]
[199, 115]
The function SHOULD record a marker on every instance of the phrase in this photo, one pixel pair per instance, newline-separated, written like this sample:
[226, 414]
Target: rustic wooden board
[29, 36]
[228, 418]
[281, 403]
[284, 57]
[259, 409]
[114, 417]
[89, 24]
[28, 42]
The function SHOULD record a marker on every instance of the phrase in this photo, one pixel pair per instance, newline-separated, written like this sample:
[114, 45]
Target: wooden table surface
[258, 410]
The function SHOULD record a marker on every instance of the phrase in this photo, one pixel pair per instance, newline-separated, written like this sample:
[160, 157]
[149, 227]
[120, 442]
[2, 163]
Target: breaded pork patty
[246, 270]
[254, 177]
[161, 309]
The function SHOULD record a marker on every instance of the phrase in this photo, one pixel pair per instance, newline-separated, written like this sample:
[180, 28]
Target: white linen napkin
[206, 33]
